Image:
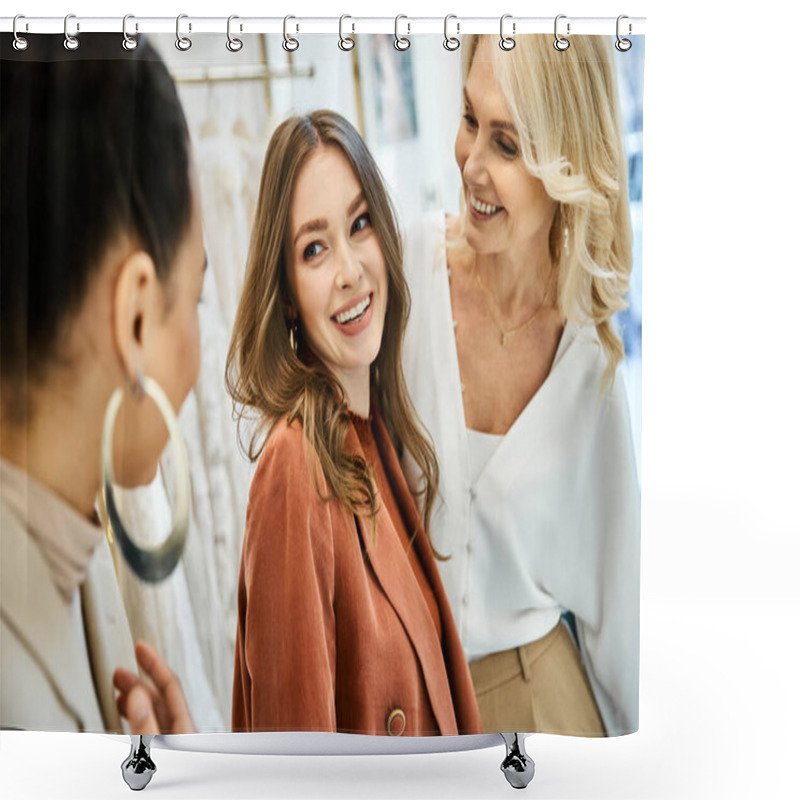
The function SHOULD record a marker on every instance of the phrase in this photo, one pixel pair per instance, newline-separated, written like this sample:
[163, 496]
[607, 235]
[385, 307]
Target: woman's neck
[517, 284]
[356, 390]
[60, 449]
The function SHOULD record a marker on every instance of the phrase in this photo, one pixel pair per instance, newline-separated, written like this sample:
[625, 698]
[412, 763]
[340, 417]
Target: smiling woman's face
[507, 208]
[336, 268]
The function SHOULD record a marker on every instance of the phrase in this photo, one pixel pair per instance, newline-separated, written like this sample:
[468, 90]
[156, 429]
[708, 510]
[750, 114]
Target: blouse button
[396, 723]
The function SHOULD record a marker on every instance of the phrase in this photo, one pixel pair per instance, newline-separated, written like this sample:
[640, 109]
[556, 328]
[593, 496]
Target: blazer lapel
[396, 577]
[468, 719]
[107, 633]
[43, 621]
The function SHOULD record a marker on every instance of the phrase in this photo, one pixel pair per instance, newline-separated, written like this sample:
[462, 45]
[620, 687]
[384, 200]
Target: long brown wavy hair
[269, 381]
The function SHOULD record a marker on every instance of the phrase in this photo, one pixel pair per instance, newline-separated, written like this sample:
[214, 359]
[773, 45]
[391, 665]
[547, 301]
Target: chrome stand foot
[138, 768]
[517, 766]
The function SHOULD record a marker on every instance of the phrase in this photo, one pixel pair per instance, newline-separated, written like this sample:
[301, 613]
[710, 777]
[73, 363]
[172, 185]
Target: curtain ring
[401, 42]
[560, 43]
[183, 43]
[623, 45]
[233, 44]
[507, 42]
[346, 42]
[290, 44]
[20, 42]
[71, 42]
[451, 43]
[128, 42]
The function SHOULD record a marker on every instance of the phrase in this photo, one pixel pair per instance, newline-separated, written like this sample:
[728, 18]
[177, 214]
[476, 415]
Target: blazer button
[396, 723]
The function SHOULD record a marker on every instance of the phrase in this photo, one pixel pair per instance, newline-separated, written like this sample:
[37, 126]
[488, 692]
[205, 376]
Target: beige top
[67, 539]
[63, 628]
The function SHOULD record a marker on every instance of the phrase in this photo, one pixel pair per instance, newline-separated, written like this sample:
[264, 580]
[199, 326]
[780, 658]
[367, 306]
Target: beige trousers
[540, 687]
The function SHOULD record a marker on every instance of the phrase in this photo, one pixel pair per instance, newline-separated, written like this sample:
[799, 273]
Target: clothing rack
[251, 72]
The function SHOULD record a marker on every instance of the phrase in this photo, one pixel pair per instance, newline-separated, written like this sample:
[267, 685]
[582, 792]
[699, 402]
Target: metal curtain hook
[233, 44]
[128, 42]
[451, 42]
[507, 42]
[71, 42]
[623, 45]
[290, 44]
[20, 42]
[183, 43]
[401, 42]
[346, 42]
[560, 43]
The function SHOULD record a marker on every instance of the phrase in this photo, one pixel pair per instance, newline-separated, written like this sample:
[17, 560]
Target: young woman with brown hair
[343, 621]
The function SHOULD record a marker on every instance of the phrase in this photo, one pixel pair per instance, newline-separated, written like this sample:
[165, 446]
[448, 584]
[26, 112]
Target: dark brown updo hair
[94, 145]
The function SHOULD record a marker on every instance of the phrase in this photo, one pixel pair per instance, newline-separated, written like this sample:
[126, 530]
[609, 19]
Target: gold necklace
[506, 335]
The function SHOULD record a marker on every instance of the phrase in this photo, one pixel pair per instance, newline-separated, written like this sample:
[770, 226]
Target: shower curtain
[575, 570]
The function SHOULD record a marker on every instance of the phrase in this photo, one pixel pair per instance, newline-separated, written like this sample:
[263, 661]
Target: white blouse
[481, 449]
[544, 612]
[552, 520]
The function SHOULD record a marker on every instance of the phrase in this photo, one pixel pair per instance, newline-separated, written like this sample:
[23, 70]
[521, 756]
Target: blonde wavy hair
[268, 380]
[565, 108]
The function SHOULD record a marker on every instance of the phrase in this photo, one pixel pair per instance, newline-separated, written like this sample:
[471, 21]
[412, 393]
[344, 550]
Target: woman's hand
[152, 707]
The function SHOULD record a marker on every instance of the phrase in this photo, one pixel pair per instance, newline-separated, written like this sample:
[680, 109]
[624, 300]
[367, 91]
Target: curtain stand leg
[138, 768]
[517, 766]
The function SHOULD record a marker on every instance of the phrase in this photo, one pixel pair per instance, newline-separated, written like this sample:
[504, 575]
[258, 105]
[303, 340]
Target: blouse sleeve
[610, 642]
[286, 650]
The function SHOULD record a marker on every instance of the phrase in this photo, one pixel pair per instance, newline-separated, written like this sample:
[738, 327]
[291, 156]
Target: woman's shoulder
[584, 336]
[284, 435]
[284, 493]
[582, 355]
[284, 458]
[580, 349]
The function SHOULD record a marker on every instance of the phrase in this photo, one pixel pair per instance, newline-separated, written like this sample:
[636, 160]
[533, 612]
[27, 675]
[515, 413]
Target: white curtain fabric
[228, 165]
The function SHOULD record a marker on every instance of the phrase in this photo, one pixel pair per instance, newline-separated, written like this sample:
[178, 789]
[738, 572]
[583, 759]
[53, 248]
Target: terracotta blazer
[334, 633]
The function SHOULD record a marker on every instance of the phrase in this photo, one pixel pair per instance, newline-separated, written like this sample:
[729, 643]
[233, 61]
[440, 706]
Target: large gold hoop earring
[151, 565]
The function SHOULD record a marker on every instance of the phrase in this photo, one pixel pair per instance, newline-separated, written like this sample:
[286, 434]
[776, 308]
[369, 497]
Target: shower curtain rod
[294, 25]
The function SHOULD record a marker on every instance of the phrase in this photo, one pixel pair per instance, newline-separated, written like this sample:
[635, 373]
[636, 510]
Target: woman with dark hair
[102, 269]
[343, 621]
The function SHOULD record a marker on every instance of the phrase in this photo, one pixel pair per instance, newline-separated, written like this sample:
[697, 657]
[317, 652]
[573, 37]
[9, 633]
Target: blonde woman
[512, 362]
[343, 621]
